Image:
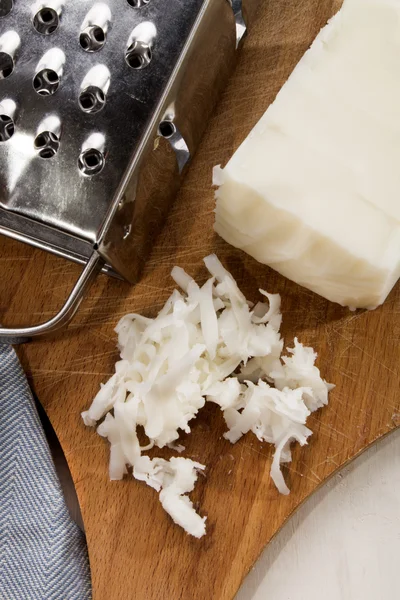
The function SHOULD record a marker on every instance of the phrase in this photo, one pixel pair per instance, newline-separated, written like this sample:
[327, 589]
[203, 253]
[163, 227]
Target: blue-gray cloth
[43, 554]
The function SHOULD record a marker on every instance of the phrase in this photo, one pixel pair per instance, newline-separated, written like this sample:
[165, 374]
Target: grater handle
[24, 334]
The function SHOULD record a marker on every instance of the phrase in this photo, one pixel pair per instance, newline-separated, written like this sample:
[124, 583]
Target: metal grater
[102, 106]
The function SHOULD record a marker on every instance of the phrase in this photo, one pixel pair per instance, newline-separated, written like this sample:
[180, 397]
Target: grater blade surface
[102, 106]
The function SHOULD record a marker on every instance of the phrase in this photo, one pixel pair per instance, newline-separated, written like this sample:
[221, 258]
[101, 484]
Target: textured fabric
[43, 554]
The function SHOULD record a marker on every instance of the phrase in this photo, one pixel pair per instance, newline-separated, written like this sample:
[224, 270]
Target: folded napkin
[43, 553]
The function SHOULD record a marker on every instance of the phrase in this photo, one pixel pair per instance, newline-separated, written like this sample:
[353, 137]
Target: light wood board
[135, 550]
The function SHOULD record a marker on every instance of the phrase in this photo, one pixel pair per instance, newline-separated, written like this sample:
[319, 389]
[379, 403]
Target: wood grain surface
[135, 550]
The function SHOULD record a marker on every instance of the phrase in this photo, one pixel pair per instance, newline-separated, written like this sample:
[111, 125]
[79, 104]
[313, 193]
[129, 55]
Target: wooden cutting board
[135, 550]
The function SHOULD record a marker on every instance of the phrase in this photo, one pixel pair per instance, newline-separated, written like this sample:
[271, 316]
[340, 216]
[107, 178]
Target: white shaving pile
[207, 344]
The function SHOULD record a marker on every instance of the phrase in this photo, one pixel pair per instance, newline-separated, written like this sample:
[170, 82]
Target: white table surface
[344, 542]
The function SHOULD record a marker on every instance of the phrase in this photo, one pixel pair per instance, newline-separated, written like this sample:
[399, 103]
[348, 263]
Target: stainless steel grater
[102, 106]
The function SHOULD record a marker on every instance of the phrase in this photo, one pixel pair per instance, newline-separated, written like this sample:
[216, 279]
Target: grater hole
[46, 16]
[138, 55]
[51, 76]
[46, 21]
[138, 3]
[6, 65]
[167, 129]
[46, 82]
[47, 153]
[47, 144]
[92, 100]
[7, 128]
[40, 141]
[92, 39]
[91, 162]
[84, 41]
[99, 34]
[6, 7]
